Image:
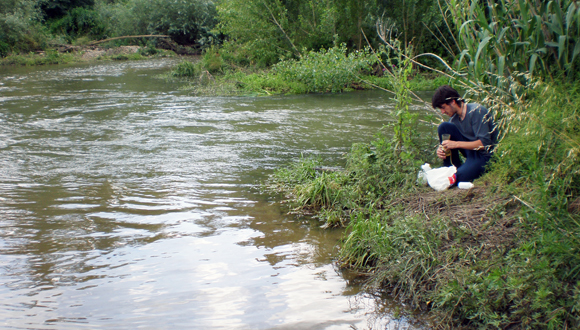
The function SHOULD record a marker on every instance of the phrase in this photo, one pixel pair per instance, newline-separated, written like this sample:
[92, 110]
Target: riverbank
[504, 254]
[80, 54]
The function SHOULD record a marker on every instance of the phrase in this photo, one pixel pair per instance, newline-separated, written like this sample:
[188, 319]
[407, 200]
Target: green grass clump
[185, 69]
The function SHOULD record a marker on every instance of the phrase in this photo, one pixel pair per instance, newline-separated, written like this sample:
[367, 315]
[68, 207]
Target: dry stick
[280, 26]
[128, 37]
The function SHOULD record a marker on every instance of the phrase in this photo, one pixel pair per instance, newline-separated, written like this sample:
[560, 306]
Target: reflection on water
[127, 204]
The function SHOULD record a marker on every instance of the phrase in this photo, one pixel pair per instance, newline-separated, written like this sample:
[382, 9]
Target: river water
[128, 204]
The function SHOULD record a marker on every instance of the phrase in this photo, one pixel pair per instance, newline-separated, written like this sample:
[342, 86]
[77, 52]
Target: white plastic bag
[422, 176]
[438, 178]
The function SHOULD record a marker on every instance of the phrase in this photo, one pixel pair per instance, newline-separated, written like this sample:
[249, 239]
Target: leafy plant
[4, 49]
[19, 25]
[187, 22]
[79, 22]
[329, 70]
[498, 38]
[185, 69]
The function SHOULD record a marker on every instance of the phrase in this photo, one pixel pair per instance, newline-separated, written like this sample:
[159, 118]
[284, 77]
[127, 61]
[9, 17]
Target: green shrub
[187, 22]
[212, 60]
[185, 69]
[4, 49]
[80, 22]
[19, 26]
[150, 50]
[328, 70]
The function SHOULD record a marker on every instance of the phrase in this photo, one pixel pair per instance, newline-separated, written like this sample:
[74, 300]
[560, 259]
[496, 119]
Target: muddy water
[128, 204]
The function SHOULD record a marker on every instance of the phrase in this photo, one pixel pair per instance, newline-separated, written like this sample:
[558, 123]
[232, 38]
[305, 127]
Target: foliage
[50, 57]
[19, 27]
[187, 22]
[80, 22]
[149, 50]
[184, 69]
[329, 70]
[272, 30]
[498, 38]
[212, 61]
[4, 49]
[261, 83]
[414, 22]
[58, 8]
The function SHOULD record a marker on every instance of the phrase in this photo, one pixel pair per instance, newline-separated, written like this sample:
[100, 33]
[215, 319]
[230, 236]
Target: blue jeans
[475, 161]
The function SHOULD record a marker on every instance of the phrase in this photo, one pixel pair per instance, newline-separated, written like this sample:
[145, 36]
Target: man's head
[447, 99]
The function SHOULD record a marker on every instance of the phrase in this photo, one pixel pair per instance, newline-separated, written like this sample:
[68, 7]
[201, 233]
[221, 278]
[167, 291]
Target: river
[126, 203]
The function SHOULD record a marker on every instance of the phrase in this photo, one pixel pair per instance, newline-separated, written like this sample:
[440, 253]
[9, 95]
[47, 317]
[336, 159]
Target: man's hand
[440, 152]
[448, 144]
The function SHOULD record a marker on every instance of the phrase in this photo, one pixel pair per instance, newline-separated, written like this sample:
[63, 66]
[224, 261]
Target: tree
[18, 25]
[186, 21]
[59, 8]
[415, 21]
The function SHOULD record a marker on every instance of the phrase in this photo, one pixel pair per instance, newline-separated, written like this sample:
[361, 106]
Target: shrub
[19, 25]
[4, 49]
[329, 70]
[187, 22]
[212, 60]
[80, 22]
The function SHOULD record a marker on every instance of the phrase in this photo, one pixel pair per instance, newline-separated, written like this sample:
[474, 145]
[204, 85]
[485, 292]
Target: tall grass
[501, 37]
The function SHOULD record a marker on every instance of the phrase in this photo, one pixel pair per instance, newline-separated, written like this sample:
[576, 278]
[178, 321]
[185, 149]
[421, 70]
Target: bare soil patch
[490, 217]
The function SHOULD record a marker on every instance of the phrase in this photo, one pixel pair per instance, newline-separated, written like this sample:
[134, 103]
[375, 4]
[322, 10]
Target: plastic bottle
[465, 185]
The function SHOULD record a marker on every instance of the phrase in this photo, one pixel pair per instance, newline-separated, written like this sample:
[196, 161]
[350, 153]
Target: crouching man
[470, 130]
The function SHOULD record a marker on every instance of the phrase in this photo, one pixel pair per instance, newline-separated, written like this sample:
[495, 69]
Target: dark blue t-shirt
[477, 125]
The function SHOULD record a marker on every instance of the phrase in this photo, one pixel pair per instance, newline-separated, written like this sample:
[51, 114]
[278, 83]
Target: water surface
[127, 204]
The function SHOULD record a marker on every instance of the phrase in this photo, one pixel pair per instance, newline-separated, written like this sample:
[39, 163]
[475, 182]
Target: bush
[19, 25]
[187, 22]
[331, 70]
[4, 49]
[185, 69]
[212, 60]
[80, 22]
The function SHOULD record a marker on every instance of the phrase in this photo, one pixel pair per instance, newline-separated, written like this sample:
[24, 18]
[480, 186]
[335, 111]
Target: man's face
[449, 109]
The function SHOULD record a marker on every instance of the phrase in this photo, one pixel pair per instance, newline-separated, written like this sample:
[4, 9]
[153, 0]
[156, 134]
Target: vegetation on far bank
[329, 70]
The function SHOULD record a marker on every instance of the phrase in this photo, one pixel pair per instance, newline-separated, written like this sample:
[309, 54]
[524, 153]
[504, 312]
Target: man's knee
[445, 127]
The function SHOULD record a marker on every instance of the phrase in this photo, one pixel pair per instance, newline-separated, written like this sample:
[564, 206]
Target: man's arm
[470, 145]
